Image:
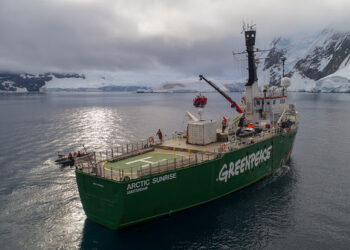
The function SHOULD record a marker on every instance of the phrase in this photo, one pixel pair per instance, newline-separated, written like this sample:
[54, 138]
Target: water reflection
[40, 205]
[98, 127]
[248, 219]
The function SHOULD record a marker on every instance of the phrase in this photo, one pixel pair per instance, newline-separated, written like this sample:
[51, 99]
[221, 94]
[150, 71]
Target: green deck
[143, 160]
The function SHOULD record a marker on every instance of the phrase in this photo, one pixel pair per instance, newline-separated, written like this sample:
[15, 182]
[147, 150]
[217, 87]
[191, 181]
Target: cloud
[175, 37]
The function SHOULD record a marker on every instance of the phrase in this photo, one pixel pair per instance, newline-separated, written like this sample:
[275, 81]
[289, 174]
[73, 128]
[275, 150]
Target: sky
[154, 39]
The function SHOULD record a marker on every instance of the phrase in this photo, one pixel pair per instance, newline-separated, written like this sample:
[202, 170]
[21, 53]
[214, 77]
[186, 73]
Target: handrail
[93, 163]
[97, 168]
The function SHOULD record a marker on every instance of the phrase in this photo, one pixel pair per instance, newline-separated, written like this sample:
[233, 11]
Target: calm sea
[305, 205]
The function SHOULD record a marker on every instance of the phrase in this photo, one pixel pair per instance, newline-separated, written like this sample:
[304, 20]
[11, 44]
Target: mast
[250, 42]
[251, 86]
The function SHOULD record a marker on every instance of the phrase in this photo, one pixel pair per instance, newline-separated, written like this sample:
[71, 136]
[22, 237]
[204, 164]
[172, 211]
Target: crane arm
[233, 104]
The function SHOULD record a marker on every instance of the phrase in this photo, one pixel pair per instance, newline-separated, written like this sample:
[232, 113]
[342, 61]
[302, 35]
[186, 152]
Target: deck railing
[124, 150]
[91, 165]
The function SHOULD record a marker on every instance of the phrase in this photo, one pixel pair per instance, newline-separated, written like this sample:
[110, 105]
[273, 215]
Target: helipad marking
[153, 162]
[142, 160]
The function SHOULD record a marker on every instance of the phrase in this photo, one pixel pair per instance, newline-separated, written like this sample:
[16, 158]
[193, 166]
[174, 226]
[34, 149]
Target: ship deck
[135, 163]
[145, 160]
[181, 144]
[214, 147]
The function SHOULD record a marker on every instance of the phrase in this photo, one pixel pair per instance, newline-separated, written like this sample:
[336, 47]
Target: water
[305, 205]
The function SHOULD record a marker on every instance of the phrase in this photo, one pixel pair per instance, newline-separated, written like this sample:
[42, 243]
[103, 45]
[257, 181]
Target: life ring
[151, 139]
[223, 147]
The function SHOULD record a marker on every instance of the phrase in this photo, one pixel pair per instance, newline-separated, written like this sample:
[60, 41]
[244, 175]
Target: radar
[286, 82]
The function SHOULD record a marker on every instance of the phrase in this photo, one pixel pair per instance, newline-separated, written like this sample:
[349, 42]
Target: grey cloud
[182, 37]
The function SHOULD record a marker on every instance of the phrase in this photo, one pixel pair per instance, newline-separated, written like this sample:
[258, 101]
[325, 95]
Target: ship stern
[101, 199]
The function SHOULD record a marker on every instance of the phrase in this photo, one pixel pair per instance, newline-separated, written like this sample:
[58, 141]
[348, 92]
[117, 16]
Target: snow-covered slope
[89, 80]
[194, 85]
[314, 62]
[293, 49]
[23, 82]
[97, 81]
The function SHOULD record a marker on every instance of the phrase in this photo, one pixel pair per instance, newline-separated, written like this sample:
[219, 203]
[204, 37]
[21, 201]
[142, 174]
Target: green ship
[144, 180]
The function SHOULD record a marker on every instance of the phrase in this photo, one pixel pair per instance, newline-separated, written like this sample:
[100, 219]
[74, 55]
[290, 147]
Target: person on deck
[224, 124]
[70, 156]
[160, 135]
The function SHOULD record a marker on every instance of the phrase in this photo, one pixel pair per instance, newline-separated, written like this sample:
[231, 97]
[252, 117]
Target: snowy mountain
[193, 85]
[92, 81]
[317, 63]
[29, 82]
[24, 82]
[104, 81]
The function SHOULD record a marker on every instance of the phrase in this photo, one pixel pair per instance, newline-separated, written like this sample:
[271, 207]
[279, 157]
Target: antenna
[243, 27]
[283, 59]
[247, 27]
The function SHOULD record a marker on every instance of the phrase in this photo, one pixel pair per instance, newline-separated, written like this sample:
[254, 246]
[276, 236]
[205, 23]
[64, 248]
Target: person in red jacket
[160, 135]
[224, 124]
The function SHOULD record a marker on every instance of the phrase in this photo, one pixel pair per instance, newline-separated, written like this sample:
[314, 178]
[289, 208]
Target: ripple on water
[302, 205]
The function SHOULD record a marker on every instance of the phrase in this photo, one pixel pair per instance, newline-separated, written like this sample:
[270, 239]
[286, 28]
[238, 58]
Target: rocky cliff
[25, 82]
[310, 61]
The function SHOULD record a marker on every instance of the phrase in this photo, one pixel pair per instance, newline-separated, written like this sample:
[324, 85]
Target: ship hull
[119, 204]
